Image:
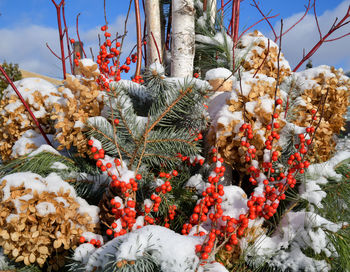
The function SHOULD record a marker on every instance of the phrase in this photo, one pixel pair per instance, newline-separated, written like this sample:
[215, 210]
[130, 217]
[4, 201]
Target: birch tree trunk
[154, 36]
[183, 38]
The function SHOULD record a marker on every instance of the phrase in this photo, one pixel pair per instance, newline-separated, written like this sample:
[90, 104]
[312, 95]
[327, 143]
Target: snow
[197, 182]
[12, 216]
[173, 251]
[216, 101]
[85, 208]
[157, 67]
[28, 142]
[83, 252]
[195, 82]
[234, 201]
[45, 208]
[44, 148]
[319, 174]
[218, 73]
[87, 62]
[52, 184]
[327, 169]
[58, 166]
[29, 88]
[296, 231]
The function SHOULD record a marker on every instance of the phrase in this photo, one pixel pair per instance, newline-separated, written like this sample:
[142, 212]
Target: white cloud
[305, 35]
[26, 45]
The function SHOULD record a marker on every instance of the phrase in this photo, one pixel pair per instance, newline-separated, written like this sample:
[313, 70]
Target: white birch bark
[152, 10]
[183, 38]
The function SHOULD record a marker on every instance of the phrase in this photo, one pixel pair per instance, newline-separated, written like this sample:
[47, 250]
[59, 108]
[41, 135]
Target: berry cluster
[129, 214]
[95, 242]
[271, 184]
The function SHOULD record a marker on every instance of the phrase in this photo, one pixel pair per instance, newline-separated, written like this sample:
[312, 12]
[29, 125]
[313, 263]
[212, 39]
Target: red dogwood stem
[25, 105]
[139, 38]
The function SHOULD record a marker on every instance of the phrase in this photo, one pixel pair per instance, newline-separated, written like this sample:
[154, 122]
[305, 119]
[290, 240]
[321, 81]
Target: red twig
[297, 22]
[324, 38]
[155, 42]
[59, 23]
[82, 47]
[236, 28]
[25, 105]
[263, 15]
[256, 24]
[316, 19]
[139, 38]
[47, 45]
[67, 39]
[331, 40]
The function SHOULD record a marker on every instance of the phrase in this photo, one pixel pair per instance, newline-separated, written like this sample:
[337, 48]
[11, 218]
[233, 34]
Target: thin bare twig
[155, 42]
[61, 34]
[67, 39]
[297, 22]
[92, 54]
[47, 45]
[324, 38]
[81, 45]
[270, 17]
[139, 38]
[125, 32]
[316, 19]
[263, 15]
[104, 11]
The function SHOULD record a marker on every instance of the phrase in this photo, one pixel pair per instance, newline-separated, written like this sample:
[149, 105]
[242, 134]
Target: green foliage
[13, 72]
[170, 118]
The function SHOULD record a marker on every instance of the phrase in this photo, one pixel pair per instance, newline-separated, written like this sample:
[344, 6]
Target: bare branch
[316, 19]
[82, 47]
[256, 24]
[67, 39]
[263, 15]
[297, 22]
[331, 40]
[53, 52]
[335, 26]
[139, 38]
[155, 42]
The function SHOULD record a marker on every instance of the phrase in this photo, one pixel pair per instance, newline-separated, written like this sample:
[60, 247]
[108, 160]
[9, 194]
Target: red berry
[138, 176]
[279, 101]
[82, 239]
[109, 232]
[175, 173]
[90, 142]
[116, 122]
[72, 40]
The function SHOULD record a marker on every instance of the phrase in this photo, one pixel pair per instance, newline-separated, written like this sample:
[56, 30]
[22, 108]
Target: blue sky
[26, 25]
